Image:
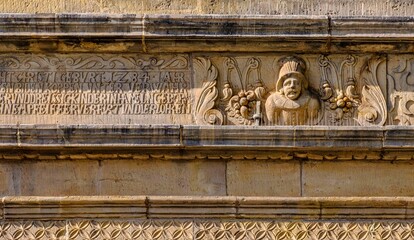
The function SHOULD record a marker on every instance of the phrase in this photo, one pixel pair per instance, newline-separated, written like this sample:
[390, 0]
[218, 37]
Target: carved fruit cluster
[340, 101]
[243, 105]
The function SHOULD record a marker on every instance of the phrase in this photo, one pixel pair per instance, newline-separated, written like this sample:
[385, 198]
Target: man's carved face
[292, 88]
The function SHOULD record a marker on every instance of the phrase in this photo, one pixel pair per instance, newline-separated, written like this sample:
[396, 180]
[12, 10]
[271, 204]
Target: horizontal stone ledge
[188, 207]
[215, 26]
[202, 137]
[191, 33]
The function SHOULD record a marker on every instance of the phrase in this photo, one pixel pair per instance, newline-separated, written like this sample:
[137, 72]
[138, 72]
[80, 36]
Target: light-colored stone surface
[112, 177]
[343, 89]
[176, 177]
[135, 176]
[283, 7]
[353, 76]
[92, 89]
[64, 89]
[225, 89]
[356, 178]
[51, 178]
[69, 207]
[7, 174]
[144, 217]
[206, 229]
[263, 178]
[213, 207]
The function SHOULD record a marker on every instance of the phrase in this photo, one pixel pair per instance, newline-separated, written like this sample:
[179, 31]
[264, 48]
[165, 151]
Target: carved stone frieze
[210, 89]
[207, 229]
[342, 90]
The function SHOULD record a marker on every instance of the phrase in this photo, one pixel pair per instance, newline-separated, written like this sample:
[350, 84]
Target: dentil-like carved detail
[205, 114]
[373, 109]
[338, 86]
[292, 103]
[245, 106]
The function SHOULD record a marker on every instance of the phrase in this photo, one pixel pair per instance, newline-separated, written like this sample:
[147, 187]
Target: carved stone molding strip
[186, 33]
[208, 229]
[171, 207]
[366, 27]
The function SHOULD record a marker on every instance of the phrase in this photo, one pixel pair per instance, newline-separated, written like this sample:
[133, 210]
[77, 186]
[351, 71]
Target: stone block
[158, 177]
[6, 179]
[356, 178]
[263, 178]
[57, 178]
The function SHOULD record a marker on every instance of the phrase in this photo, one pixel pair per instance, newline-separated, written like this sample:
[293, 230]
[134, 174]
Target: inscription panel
[98, 89]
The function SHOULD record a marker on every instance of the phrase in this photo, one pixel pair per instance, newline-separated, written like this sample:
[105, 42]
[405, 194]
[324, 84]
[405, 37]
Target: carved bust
[292, 103]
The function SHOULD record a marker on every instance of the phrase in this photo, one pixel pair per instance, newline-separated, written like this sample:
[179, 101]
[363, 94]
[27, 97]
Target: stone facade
[232, 7]
[157, 120]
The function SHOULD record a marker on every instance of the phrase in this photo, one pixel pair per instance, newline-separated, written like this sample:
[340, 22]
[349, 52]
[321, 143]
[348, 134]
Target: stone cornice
[187, 207]
[54, 142]
[184, 33]
[190, 136]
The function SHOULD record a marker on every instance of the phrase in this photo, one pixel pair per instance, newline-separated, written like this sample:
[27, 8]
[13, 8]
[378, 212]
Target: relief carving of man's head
[292, 80]
[292, 103]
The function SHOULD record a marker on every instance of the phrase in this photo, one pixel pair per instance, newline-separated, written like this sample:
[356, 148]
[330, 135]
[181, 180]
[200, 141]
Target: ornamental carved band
[187, 229]
[260, 90]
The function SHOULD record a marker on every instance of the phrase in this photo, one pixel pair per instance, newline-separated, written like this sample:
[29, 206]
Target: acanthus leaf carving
[373, 108]
[205, 114]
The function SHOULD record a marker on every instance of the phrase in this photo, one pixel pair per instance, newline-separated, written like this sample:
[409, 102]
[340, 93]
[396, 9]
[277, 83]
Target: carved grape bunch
[243, 106]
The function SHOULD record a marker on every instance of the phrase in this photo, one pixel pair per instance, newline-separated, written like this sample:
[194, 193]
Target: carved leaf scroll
[205, 114]
[373, 109]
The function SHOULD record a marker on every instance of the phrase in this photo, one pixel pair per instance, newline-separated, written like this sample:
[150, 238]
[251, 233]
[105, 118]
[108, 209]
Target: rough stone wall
[266, 7]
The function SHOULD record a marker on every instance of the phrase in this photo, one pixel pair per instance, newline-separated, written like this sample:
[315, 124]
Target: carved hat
[291, 67]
